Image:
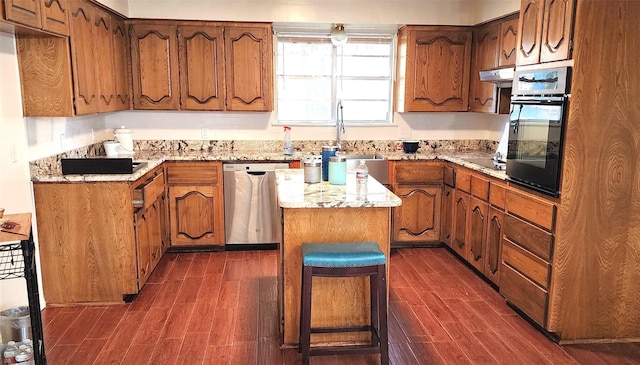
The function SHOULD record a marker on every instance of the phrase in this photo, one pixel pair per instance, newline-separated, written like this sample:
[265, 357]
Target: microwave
[537, 119]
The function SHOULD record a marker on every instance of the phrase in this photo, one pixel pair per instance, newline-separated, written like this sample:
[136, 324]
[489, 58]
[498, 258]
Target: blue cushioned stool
[345, 260]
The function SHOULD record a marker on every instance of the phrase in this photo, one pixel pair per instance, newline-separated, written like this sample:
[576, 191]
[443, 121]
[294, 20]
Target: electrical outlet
[13, 157]
[62, 141]
[204, 131]
[404, 134]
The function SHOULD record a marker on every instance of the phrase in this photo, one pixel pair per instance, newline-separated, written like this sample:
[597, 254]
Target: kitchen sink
[378, 166]
[487, 162]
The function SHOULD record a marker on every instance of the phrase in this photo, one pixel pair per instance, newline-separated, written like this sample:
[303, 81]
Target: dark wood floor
[220, 308]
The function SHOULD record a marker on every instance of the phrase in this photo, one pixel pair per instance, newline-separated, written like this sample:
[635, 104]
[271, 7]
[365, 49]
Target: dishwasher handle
[256, 173]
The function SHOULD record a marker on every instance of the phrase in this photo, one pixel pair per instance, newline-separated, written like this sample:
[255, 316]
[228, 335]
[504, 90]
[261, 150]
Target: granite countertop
[293, 192]
[154, 158]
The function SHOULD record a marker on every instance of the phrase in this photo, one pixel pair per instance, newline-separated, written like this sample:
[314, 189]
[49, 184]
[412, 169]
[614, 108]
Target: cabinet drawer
[463, 181]
[528, 264]
[524, 294]
[148, 192]
[194, 173]
[419, 172]
[480, 187]
[450, 176]
[497, 194]
[528, 236]
[530, 208]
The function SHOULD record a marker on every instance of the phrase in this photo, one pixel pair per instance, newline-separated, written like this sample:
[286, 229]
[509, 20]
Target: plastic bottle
[10, 353]
[287, 146]
[362, 177]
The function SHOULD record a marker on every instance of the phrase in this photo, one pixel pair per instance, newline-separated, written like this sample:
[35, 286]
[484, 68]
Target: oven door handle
[547, 100]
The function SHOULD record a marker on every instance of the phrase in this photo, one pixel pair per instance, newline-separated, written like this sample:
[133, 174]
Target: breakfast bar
[325, 213]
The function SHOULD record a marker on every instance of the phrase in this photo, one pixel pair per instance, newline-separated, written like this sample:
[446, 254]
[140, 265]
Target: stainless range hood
[502, 77]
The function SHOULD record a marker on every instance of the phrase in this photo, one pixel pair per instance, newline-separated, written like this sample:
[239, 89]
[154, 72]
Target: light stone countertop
[293, 192]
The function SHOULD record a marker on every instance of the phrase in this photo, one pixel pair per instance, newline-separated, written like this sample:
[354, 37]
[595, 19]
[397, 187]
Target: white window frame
[384, 32]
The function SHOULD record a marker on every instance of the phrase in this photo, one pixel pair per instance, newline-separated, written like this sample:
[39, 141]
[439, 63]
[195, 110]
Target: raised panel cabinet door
[25, 12]
[249, 68]
[508, 42]
[201, 54]
[493, 253]
[155, 231]
[460, 218]
[120, 64]
[83, 57]
[485, 57]
[446, 234]
[478, 217]
[154, 57]
[55, 16]
[557, 33]
[529, 32]
[418, 218]
[195, 214]
[105, 60]
[438, 64]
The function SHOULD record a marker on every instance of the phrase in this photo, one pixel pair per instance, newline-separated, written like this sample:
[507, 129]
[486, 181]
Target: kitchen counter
[293, 192]
[51, 172]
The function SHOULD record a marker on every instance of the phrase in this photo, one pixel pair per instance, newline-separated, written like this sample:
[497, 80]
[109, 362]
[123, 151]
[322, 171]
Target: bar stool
[345, 260]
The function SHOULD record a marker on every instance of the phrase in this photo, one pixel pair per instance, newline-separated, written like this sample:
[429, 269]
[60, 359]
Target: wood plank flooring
[220, 308]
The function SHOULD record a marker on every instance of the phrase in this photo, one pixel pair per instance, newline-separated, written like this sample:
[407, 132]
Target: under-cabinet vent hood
[502, 77]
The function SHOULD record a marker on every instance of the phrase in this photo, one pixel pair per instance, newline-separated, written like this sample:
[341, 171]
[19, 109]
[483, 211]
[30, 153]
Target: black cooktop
[99, 165]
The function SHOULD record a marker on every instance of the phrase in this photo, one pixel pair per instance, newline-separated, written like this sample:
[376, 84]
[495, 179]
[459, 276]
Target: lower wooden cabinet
[196, 208]
[460, 218]
[418, 218]
[150, 238]
[477, 230]
[493, 250]
[446, 232]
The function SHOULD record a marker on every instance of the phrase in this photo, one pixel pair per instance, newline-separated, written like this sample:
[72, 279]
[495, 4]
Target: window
[313, 75]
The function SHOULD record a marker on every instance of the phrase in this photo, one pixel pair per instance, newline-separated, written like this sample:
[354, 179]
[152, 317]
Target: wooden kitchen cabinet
[154, 58]
[48, 15]
[485, 57]
[477, 229]
[460, 219]
[508, 40]
[249, 67]
[121, 60]
[493, 253]
[433, 68]
[446, 232]
[151, 244]
[201, 60]
[545, 31]
[84, 56]
[196, 209]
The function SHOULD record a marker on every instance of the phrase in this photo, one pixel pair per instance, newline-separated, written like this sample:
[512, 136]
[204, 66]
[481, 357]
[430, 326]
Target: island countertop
[293, 192]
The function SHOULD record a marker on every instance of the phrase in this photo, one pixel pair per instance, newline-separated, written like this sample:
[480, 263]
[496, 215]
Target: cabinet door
[196, 215]
[460, 214]
[105, 60]
[55, 16]
[529, 31]
[557, 32]
[438, 65]
[508, 42]
[485, 54]
[143, 244]
[120, 68]
[447, 215]
[25, 12]
[154, 57]
[493, 245]
[85, 77]
[418, 218]
[478, 217]
[155, 231]
[249, 68]
[201, 54]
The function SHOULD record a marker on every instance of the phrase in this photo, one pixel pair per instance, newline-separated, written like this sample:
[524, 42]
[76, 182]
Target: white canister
[312, 170]
[111, 148]
[125, 137]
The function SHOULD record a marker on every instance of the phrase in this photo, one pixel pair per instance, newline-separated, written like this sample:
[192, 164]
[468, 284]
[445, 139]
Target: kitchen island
[328, 213]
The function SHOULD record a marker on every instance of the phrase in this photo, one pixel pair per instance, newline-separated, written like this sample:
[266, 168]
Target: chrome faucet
[339, 124]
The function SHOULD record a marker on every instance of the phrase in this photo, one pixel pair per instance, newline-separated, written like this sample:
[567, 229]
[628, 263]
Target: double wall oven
[539, 105]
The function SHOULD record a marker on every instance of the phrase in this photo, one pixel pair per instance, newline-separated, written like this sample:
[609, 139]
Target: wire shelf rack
[11, 261]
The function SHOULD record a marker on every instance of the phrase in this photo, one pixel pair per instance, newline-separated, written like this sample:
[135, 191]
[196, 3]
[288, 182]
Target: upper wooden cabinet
[186, 65]
[249, 67]
[485, 57]
[48, 15]
[508, 39]
[59, 76]
[433, 68]
[545, 31]
[201, 59]
[154, 56]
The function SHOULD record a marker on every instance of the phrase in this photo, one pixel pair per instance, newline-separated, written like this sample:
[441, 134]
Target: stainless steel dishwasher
[251, 212]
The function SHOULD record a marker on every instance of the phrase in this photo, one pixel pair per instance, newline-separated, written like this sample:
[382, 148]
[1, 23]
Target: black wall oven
[538, 109]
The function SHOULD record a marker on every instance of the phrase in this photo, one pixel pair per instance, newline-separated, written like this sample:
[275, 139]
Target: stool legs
[305, 315]
[382, 314]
